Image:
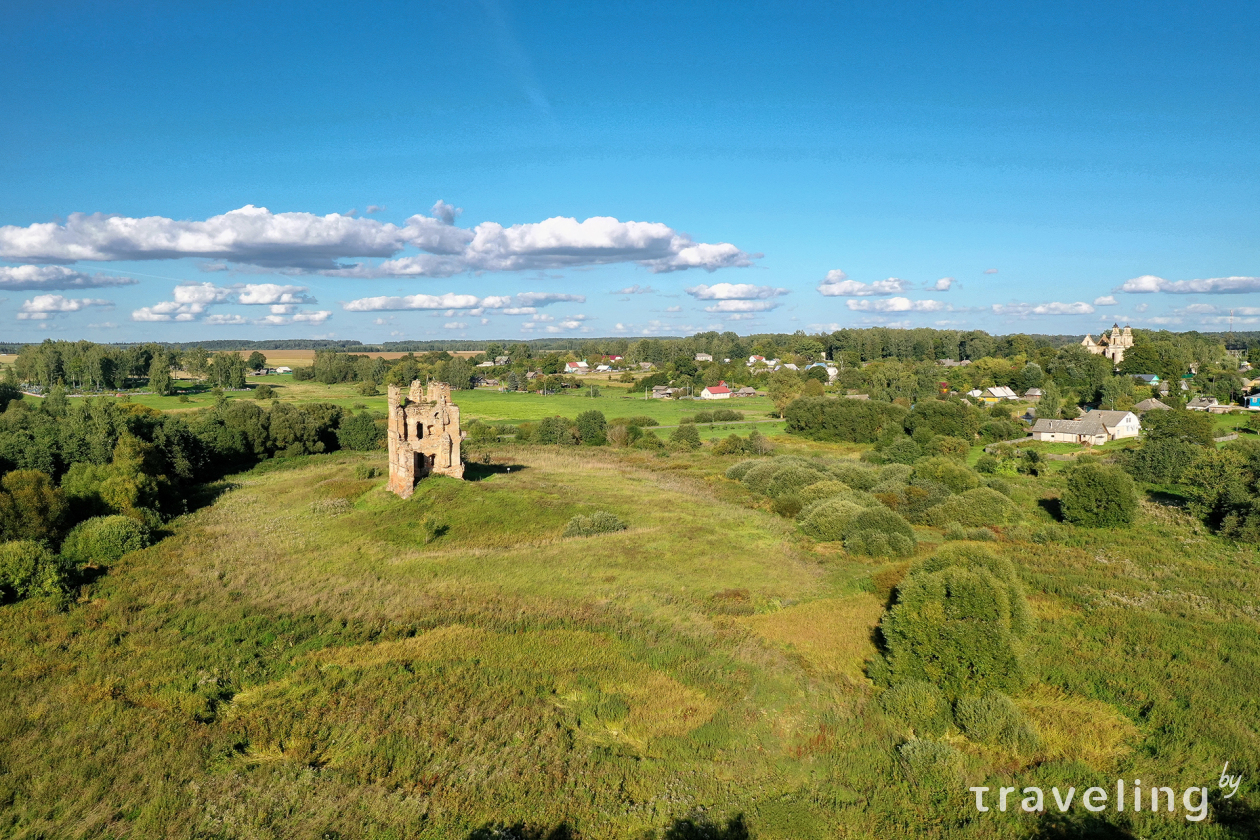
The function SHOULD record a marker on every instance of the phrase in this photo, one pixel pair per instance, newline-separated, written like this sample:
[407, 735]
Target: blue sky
[505, 170]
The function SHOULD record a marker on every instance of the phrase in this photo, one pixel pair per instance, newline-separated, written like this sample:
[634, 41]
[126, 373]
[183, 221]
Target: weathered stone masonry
[423, 436]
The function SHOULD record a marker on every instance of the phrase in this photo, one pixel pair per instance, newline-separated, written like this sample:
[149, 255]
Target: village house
[703, 357]
[746, 392]
[716, 392]
[1203, 403]
[998, 393]
[501, 360]
[1112, 346]
[1095, 428]
[1150, 404]
[576, 368]
[1033, 395]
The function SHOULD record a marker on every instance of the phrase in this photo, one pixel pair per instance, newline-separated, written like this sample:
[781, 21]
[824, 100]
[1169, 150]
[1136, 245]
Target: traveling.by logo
[1128, 797]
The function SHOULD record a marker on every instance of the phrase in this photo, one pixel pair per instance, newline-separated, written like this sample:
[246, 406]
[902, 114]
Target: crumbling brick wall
[424, 436]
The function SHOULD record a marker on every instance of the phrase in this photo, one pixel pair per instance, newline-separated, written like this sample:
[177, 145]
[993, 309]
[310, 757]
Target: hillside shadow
[522, 831]
[204, 495]
[1161, 497]
[1074, 827]
[1239, 819]
[702, 828]
[480, 472]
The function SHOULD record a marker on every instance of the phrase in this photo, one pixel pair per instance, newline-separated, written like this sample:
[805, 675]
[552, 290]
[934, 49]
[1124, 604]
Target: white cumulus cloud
[734, 291]
[942, 285]
[525, 303]
[1105, 300]
[838, 284]
[272, 293]
[743, 306]
[43, 307]
[1149, 283]
[31, 277]
[897, 304]
[1024, 310]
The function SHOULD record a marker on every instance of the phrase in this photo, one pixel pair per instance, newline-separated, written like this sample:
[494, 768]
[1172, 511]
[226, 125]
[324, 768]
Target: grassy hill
[309, 656]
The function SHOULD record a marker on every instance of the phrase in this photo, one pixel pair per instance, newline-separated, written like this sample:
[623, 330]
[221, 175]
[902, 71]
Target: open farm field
[309, 656]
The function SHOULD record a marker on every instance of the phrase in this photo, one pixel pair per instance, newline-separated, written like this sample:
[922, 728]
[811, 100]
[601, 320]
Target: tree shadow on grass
[1075, 827]
[1052, 507]
[1240, 819]
[480, 472]
[522, 831]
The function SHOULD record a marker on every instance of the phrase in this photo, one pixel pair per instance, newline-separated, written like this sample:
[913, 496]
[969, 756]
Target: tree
[31, 507]
[784, 386]
[28, 568]
[686, 437]
[592, 428]
[359, 432]
[256, 361]
[1051, 402]
[1099, 495]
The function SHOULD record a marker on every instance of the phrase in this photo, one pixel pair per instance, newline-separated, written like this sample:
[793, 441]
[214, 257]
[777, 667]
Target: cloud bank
[28, 277]
[43, 307]
[306, 242]
[1148, 283]
[837, 284]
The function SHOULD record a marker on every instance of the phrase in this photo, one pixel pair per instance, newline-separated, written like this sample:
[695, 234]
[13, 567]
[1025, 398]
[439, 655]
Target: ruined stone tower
[423, 436]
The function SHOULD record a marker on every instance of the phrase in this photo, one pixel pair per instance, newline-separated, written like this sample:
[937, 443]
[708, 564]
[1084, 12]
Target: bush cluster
[599, 522]
[103, 539]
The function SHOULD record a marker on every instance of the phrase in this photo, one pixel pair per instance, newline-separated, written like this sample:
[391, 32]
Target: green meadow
[307, 655]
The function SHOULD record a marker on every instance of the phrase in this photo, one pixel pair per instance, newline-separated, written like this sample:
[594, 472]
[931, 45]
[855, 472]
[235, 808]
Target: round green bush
[854, 475]
[902, 451]
[955, 531]
[758, 478]
[913, 501]
[999, 485]
[835, 489]
[918, 704]
[825, 521]
[992, 718]
[952, 474]
[987, 464]
[879, 532]
[899, 473]
[685, 436]
[104, 539]
[736, 472]
[956, 623]
[1100, 496]
[981, 506]
[931, 763]
[791, 480]
[28, 568]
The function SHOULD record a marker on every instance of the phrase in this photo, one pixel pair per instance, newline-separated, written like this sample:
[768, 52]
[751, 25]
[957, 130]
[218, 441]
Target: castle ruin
[423, 436]
[1112, 346]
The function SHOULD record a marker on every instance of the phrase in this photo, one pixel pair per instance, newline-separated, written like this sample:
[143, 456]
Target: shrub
[758, 478]
[591, 428]
[1161, 461]
[620, 435]
[788, 505]
[944, 417]
[918, 704]
[649, 441]
[727, 415]
[263, 392]
[368, 389]
[987, 464]
[957, 622]
[894, 472]
[685, 437]
[599, 522]
[366, 471]
[826, 521]
[732, 444]
[955, 531]
[829, 489]
[948, 447]
[700, 417]
[996, 431]
[999, 485]
[879, 532]
[953, 475]
[27, 568]
[360, 432]
[555, 430]
[981, 506]
[104, 539]
[736, 472]
[992, 718]
[932, 764]
[791, 479]
[1100, 496]
[431, 529]
[913, 501]
[857, 477]
[903, 450]
[638, 420]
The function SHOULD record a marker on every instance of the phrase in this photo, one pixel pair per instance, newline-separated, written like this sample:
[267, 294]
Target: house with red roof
[716, 392]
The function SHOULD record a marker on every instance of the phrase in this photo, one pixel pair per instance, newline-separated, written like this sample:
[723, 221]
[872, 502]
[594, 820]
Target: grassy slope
[294, 660]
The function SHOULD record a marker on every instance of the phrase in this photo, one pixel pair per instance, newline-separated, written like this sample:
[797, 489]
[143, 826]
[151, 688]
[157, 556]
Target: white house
[576, 367]
[703, 357]
[1096, 427]
[602, 368]
[716, 392]
[283, 369]
[756, 360]
[1202, 403]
